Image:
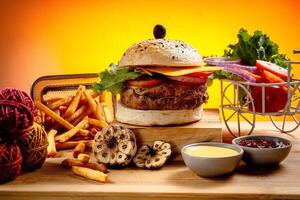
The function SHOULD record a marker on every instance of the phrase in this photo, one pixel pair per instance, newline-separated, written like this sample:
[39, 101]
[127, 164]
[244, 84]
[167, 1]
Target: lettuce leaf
[258, 46]
[113, 79]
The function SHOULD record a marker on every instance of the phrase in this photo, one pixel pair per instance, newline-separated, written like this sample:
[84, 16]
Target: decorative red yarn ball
[10, 161]
[16, 111]
[33, 147]
[17, 95]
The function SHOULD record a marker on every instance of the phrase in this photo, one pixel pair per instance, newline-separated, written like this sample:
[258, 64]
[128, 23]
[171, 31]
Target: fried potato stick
[51, 149]
[83, 133]
[72, 144]
[87, 112]
[78, 149]
[68, 163]
[53, 115]
[83, 157]
[97, 123]
[77, 113]
[75, 101]
[70, 133]
[92, 103]
[107, 113]
[59, 102]
[90, 174]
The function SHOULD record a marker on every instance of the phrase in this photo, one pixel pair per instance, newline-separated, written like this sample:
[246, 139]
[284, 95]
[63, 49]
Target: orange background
[60, 37]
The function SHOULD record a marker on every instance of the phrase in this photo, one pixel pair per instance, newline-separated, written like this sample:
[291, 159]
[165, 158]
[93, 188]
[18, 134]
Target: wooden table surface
[174, 181]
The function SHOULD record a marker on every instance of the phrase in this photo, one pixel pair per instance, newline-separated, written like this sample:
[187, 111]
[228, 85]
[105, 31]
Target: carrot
[272, 78]
[257, 77]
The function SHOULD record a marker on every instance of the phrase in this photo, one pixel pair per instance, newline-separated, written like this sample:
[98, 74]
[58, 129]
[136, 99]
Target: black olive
[159, 31]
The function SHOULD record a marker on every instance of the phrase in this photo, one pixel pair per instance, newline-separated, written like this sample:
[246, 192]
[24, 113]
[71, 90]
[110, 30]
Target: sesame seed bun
[161, 52]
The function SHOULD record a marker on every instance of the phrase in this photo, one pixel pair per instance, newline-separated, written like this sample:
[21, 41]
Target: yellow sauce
[210, 151]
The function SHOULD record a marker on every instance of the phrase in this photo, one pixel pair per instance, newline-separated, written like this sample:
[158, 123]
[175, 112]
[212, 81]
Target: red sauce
[261, 143]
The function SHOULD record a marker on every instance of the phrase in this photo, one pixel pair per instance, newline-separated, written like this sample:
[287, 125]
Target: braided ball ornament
[33, 146]
[16, 111]
[10, 161]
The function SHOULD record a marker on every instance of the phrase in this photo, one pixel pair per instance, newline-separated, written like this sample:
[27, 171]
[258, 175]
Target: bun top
[161, 52]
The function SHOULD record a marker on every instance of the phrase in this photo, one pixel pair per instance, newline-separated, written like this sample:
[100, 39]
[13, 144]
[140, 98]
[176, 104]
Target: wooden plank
[208, 129]
[173, 181]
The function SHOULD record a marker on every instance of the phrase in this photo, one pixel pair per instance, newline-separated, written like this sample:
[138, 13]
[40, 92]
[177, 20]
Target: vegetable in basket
[255, 58]
[256, 47]
[252, 53]
[275, 99]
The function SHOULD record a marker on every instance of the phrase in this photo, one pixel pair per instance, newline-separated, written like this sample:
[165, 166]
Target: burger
[159, 82]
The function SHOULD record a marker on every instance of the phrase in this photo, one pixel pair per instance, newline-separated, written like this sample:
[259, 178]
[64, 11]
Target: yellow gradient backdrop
[61, 37]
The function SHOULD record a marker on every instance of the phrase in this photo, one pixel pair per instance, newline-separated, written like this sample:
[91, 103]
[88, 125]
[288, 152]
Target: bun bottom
[157, 117]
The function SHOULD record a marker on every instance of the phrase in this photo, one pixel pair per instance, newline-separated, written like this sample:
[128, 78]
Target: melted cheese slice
[172, 71]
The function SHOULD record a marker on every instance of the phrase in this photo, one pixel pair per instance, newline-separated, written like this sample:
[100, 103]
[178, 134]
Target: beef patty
[166, 96]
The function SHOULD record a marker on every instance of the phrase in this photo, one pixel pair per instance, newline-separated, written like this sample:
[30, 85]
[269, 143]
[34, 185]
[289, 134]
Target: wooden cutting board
[172, 182]
[208, 129]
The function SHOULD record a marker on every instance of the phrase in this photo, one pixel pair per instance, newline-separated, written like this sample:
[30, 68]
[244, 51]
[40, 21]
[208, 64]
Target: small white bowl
[212, 166]
[264, 156]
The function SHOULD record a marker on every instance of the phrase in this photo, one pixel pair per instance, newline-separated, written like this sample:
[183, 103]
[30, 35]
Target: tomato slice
[145, 83]
[200, 74]
[189, 79]
[273, 68]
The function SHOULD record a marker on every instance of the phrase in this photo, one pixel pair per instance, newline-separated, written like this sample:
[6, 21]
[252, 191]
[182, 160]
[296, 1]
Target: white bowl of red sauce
[263, 150]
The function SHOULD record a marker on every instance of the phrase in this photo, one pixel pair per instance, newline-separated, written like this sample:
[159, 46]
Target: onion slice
[243, 67]
[226, 62]
[240, 73]
[219, 61]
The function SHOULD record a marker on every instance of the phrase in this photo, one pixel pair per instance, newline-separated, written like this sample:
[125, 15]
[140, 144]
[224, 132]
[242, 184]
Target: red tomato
[273, 68]
[275, 99]
[189, 79]
[197, 74]
[145, 83]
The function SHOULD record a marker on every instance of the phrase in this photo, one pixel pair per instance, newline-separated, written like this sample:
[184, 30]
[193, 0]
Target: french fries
[51, 97]
[72, 119]
[93, 105]
[90, 174]
[51, 149]
[79, 118]
[69, 163]
[79, 112]
[72, 144]
[78, 149]
[98, 123]
[83, 157]
[67, 135]
[107, 113]
[75, 101]
[59, 102]
[53, 115]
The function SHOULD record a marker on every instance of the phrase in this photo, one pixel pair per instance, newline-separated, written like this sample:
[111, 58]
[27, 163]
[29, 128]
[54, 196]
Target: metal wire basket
[238, 105]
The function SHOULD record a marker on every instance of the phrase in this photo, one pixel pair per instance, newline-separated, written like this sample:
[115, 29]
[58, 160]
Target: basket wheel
[280, 123]
[293, 123]
[235, 103]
